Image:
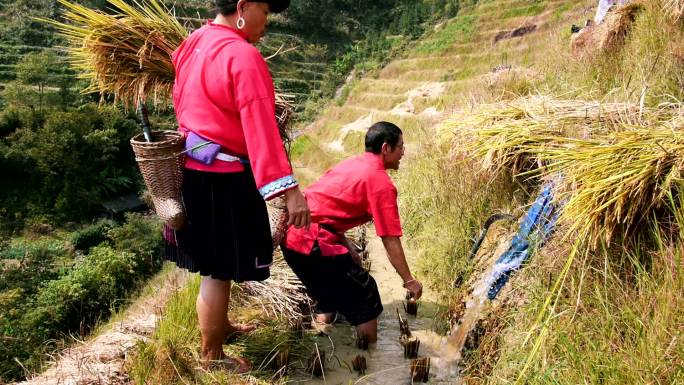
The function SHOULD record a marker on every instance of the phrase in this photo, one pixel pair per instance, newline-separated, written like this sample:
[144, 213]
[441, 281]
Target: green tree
[38, 70]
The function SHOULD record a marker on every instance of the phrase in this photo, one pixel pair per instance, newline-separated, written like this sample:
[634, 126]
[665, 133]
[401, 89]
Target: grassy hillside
[616, 316]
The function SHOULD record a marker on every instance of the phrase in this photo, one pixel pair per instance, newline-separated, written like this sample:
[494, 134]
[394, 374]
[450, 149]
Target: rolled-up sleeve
[253, 88]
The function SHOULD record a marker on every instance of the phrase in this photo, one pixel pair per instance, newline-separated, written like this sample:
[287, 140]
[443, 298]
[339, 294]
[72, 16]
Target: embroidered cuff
[275, 188]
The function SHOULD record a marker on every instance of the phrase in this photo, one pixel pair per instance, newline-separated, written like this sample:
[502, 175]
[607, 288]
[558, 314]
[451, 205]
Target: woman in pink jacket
[224, 95]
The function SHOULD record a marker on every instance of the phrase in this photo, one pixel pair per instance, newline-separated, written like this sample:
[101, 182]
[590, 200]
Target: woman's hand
[297, 208]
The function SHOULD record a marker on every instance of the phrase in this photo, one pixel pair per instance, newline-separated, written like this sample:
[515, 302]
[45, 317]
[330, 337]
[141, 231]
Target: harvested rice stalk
[359, 364]
[420, 369]
[411, 346]
[618, 182]
[403, 325]
[128, 53]
[501, 134]
[280, 296]
[619, 163]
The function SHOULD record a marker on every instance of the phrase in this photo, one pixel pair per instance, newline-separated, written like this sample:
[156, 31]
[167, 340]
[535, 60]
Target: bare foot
[325, 318]
[236, 365]
[236, 330]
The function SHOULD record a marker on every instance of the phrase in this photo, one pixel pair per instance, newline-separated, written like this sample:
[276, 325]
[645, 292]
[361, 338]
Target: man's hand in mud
[415, 288]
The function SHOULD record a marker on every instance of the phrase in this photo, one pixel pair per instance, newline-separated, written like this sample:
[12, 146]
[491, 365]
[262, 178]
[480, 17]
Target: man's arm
[395, 253]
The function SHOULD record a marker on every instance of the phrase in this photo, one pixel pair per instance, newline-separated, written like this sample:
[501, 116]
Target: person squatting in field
[352, 193]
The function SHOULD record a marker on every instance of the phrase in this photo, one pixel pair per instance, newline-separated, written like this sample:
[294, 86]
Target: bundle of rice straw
[674, 8]
[500, 134]
[128, 53]
[620, 165]
[607, 36]
[617, 182]
[282, 295]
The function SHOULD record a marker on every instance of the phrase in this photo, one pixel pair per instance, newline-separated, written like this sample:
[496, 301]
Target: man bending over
[352, 193]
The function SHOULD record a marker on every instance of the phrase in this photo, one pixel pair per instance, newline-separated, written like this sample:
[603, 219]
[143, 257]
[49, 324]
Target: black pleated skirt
[227, 235]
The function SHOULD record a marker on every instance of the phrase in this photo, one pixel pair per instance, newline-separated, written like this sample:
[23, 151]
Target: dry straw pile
[607, 36]
[619, 165]
[280, 296]
[674, 8]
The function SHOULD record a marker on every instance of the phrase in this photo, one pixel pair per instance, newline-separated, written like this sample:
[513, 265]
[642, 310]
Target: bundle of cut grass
[128, 53]
[619, 164]
[607, 36]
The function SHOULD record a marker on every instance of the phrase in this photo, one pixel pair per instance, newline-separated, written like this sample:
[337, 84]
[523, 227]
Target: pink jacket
[224, 93]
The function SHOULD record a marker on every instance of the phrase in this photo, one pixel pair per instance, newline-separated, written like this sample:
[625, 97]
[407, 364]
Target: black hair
[380, 133]
[228, 7]
[225, 7]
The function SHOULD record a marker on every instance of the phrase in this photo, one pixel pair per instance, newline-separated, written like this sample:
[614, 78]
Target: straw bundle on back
[607, 36]
[618, 164]
[128, 53]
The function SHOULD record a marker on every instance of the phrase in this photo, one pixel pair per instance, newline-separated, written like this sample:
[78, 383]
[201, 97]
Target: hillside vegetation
[579, 312]
[615, 316]
[64, 154]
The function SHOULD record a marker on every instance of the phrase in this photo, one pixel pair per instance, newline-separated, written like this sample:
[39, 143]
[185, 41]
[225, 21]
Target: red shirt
[224, 93]
[352, 193]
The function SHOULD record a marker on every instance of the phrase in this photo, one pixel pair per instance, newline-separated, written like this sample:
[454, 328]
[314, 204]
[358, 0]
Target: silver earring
[241, 23]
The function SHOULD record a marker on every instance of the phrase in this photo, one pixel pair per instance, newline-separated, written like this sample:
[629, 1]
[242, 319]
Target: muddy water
[386, 363]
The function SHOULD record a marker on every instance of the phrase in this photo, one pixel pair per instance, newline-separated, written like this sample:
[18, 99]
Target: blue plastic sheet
[533, 232]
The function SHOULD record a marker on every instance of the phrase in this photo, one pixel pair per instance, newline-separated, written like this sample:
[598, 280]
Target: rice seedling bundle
[619, 164]
[127, 53]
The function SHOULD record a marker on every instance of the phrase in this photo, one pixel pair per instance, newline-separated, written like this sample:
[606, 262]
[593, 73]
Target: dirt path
[100, 360]
[386, 363]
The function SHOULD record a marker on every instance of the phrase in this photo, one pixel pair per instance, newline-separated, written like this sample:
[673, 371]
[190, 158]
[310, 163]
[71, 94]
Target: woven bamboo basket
[161, 165]
[277, 215]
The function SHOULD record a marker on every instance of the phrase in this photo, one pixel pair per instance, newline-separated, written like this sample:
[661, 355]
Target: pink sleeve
[253, 88]
[385, 211]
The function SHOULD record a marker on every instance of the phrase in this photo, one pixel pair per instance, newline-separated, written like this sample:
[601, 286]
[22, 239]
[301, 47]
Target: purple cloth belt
[200, 149]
